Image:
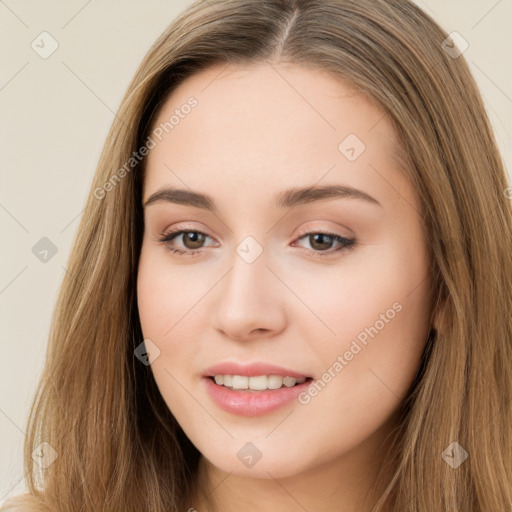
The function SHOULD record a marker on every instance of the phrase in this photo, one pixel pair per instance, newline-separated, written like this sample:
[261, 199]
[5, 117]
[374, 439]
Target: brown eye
[321, 241]
[193, 239]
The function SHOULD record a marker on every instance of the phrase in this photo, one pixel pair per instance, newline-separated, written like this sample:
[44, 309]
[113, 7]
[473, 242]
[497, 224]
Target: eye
[320, 241]
[192, 240]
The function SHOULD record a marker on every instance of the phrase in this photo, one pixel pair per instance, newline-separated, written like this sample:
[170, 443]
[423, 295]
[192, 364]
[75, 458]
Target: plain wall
[54, 117]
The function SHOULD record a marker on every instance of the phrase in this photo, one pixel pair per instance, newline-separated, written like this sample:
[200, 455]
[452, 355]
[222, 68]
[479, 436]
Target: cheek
[374, 311]
[164, 296]
[172, 309]
[376, 294]
[168, 313]
[153, 302]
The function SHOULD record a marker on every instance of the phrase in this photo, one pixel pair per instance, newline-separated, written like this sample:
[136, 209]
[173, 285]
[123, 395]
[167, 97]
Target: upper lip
[251, 370]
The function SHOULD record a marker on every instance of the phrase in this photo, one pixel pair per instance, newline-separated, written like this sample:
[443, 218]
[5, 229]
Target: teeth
[240, 382]
[257, 383]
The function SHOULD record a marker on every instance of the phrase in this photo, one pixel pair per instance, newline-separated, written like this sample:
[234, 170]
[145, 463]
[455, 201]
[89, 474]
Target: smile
[257, 383]
[252, 402]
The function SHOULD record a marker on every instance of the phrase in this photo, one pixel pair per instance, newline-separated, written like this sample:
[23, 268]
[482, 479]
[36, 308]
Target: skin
[258, 130]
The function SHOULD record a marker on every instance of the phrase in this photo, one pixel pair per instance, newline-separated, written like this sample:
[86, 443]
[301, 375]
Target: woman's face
[310, 261]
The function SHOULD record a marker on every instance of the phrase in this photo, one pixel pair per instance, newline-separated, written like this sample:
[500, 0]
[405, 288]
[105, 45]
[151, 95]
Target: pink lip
[251, 370]
[255, 403]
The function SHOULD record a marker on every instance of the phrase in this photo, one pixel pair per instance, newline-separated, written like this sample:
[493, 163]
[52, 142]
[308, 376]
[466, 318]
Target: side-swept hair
[119, 447]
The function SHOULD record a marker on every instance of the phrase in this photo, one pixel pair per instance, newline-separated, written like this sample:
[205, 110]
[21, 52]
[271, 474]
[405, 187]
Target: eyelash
[347, 244]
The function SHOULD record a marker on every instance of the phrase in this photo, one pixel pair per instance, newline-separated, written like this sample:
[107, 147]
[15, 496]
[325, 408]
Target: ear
[435, 322]
[437, 315]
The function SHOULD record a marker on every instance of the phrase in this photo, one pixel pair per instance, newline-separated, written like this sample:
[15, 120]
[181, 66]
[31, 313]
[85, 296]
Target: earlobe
[439, 317]
[438, 314]
[434, 325]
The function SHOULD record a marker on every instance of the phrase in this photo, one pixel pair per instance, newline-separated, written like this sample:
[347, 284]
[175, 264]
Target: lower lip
[247, 403]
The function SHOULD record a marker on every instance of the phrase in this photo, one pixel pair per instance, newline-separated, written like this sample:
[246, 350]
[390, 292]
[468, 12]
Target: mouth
[257, 383]
[234, 393]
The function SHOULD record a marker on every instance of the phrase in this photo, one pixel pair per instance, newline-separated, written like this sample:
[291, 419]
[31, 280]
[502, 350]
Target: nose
[249, 303]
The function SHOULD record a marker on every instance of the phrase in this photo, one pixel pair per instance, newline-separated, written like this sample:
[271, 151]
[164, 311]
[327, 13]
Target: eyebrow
[286, 199]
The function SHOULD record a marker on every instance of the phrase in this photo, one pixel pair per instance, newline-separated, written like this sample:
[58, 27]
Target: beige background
[54, 116]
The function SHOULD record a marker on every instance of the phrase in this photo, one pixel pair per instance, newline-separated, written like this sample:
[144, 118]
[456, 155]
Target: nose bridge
[247, 283]
[247, 299]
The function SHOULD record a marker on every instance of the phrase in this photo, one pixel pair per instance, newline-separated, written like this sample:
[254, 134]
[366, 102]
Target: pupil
[194, 238]
[321, 236]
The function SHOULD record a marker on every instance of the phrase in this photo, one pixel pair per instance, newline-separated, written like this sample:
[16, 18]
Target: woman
[208, 352]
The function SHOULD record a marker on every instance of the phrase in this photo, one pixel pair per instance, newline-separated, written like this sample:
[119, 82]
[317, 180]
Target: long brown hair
[119, 447]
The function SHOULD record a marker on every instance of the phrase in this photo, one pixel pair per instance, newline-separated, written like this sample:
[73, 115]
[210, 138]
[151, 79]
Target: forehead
[268, 125]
